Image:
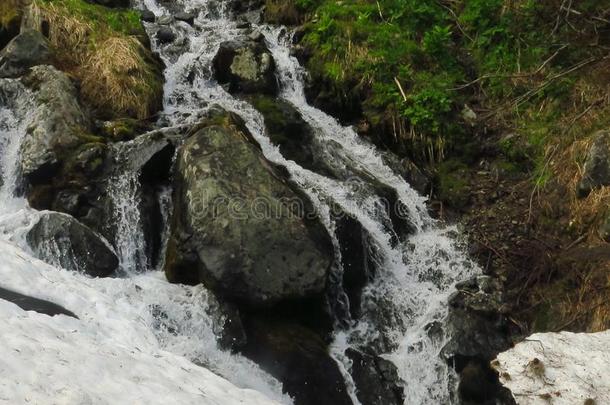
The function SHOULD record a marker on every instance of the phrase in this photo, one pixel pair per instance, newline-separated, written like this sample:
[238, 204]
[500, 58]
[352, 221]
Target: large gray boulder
[597, 165]
[30, 48]
[238, 225]
[246, 67]
[62, 240]
[57, 124]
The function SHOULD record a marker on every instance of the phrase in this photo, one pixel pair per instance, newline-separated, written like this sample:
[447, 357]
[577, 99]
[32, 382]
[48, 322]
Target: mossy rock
[239, 226]
[122, 129]
[452, 184]
[286, 128]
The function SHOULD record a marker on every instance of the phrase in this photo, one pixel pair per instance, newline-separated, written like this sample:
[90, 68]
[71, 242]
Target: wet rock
[147, 16]
[165, 20]
[246, 67]
[297, 141]
[188, 18]
[165, 35]
[597, 166]
[357, 259]
[479, 385]
[295, 137]
[62, 240]
[154, 181]
[479, 330]
[417, 178]
[28, 303]
[57, 122]
[30, 48]
[151, 155]
[376, 379]
[62, 163]
[477, 318]
[238, 225]
[298, 358]
[248, 10]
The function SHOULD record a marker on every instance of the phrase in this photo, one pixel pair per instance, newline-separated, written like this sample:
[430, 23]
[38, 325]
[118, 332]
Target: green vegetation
[103, 49]
[414, 65]
[99, 18]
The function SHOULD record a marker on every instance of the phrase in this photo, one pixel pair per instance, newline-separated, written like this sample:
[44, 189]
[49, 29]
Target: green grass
[410, 61]
[122, 21]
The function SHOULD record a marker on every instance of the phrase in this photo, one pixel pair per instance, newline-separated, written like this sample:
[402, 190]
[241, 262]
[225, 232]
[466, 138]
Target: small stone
[256, 36]
[147, 16]
[165, 35]
[188, 18]
[165, 20]
[597, 166]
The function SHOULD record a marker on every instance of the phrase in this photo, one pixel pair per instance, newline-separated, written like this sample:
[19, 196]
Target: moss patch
[452, 183]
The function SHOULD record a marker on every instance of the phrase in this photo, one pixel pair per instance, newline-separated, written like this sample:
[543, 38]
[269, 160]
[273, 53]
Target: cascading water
[124, 189]
[407, 302]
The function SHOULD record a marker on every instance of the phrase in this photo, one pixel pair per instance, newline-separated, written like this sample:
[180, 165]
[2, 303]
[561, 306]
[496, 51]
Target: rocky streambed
[289, 241]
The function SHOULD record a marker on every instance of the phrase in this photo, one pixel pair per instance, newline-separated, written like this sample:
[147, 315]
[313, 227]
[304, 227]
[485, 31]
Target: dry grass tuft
[68, 34]
[586, 214]
[117, 78]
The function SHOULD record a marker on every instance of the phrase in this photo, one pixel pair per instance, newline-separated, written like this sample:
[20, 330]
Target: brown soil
[554, 279]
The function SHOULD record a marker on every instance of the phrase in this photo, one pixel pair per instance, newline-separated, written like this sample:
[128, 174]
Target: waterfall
[124, 189]
[409, 295]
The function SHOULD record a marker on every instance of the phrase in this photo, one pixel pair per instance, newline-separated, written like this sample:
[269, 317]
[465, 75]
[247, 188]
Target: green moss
[121, 21]
[270, 109]
[87, 138]
[451, 180]
[412, 65]
[123, 129]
